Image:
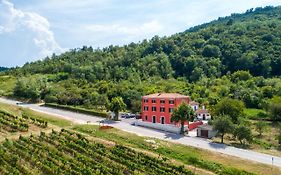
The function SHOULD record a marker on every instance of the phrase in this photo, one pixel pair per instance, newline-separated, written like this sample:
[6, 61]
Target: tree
[260, 127]
[230, 107]
[182, 114]
[136, 106]
[275, 111]
[223, 125]
[117, 104]
[241, 76]
[243, 134]
[278, 138]
[211, 51]
[197, 74]
[28, 88]
[274, 108]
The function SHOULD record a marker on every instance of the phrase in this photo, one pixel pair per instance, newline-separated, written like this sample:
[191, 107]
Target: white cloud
[1, 29]
[148, 27]
[13, 19]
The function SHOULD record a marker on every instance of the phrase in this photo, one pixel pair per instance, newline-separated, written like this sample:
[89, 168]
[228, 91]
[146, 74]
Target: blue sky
[32, 29]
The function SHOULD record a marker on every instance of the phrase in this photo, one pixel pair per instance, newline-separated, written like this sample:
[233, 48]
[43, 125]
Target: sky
[31, 29]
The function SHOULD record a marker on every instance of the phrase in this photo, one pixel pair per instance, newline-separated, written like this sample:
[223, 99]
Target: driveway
[186, 140]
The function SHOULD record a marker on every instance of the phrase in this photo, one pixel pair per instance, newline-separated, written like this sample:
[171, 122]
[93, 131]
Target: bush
[77, 109]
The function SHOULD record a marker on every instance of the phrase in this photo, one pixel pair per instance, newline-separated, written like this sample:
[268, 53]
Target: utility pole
[272, 162]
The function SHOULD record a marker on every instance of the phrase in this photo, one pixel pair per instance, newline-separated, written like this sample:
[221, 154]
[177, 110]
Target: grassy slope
[253, 113]
[50, 119]
[7, 85]
[267, 143]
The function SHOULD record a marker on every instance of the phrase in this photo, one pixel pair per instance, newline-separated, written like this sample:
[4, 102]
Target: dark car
[132, 116]
[138, 116]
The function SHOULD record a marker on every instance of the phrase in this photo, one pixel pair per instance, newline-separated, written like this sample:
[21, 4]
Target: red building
[157, 108]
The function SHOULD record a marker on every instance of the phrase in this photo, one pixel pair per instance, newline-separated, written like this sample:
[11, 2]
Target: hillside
[249, 41]
[201, 62]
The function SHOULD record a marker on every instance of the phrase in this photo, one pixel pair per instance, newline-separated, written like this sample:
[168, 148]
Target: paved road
[126, 126]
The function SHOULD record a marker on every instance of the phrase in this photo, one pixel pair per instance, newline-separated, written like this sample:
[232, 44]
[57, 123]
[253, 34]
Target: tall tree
[230, 107]
[243, 133]
[117, 104]
[223, 125]
[182, 114]
[274, 108]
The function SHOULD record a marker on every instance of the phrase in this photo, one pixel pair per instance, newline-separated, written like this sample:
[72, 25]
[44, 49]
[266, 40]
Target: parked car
[132, 116]
[138, 116]
[128, 115]
[123, 115]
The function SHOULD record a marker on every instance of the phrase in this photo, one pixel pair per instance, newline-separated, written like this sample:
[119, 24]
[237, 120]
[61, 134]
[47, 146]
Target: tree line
[249, 41]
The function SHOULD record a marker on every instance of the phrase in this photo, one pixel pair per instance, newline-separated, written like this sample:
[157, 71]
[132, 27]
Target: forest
[237, 56]
[3, 69]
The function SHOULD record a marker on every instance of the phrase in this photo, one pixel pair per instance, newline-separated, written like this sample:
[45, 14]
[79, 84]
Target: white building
[203, 114]
[194, 105]
[206, 131]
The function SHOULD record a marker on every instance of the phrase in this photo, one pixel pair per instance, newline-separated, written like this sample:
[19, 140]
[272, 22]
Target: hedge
[77, 109]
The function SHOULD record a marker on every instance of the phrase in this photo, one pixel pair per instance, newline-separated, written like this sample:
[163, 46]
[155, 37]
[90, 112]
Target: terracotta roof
[193, 103]
[165, 95]
[201, 111]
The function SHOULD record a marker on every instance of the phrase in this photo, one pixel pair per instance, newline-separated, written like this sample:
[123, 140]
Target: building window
[153, 101]
[162, 109]
[162, 101]
[153, 108]
[146, 117]
[145, 100]
[171, 102]
[171, 110]
[145, 108]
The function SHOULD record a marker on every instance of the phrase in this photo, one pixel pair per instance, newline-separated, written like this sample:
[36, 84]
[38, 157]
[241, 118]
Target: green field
[255, 114]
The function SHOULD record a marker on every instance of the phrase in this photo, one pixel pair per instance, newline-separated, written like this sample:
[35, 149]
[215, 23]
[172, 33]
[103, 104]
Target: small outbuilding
[206, 131]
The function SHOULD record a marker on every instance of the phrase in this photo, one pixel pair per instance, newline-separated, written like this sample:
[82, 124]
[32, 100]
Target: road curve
[126, 126]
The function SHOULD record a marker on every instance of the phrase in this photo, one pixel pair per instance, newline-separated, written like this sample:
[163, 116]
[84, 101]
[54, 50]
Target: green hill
[249, 41]
[200, 62]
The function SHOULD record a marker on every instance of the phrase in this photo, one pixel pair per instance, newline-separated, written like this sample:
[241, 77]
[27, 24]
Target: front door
[153, 119]
[162, 120]
[204, 133]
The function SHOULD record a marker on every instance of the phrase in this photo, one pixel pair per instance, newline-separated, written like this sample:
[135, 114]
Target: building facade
[158, 108]
[194, 105]
[206, 131]
[203, 114]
